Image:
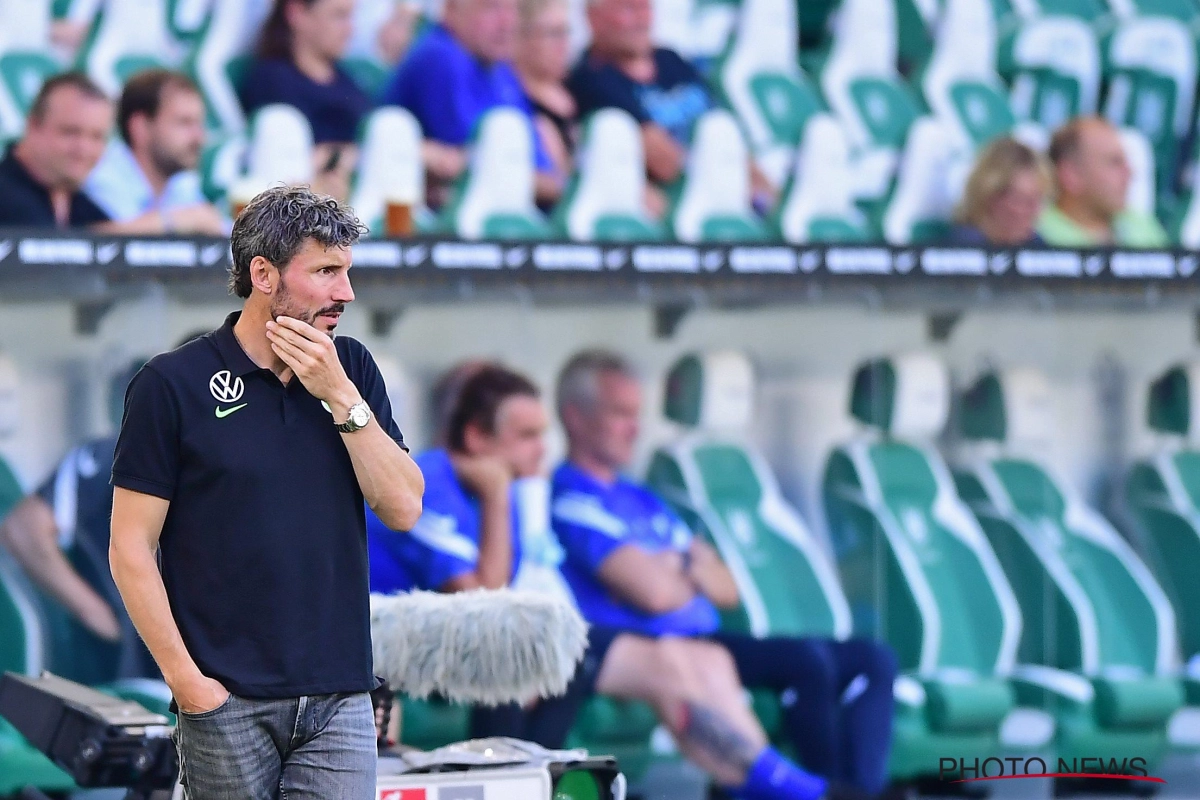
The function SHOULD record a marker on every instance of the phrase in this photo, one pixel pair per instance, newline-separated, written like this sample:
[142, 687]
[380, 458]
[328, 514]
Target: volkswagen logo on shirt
[225, 388]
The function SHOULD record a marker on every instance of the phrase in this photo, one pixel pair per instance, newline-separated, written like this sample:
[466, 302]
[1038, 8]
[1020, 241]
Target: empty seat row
[1019, 614]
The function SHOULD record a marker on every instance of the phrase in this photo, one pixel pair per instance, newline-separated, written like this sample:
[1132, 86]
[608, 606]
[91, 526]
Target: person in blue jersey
[633, 564]
[467, 537]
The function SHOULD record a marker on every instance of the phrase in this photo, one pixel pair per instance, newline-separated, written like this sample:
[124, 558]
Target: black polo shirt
[25, 202]
[263, 552]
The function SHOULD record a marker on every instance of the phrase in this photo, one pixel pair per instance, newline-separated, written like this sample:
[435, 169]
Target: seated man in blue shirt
[455, 72]
[466, 538]
[633, 564]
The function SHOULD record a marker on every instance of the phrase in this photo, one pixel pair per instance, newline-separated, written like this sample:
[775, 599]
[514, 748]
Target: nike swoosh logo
[222, 413]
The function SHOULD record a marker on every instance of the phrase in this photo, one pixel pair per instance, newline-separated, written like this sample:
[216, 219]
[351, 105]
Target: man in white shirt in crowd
[147, 181]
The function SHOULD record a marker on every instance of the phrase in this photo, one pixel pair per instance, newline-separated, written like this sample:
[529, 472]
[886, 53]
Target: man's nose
[344, 292]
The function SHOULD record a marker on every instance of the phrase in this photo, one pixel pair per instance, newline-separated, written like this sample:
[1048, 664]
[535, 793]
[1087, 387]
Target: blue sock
[773, 777]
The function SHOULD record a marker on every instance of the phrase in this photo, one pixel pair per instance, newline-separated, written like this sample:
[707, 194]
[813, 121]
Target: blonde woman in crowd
[1003, 198]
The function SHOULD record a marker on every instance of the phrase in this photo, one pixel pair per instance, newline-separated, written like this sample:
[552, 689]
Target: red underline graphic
[1147, 778]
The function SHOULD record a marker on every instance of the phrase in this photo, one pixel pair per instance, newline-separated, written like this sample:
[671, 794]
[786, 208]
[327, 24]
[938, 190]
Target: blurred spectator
[297, 63]
[59, 536]
[456, 72]
[444, 395]
[1004, 197]
[633, 564]
[147, 182]
[1091, 178]
[467, 537]
[543, 60]
[383, 29]
[42, 175]
[663, 92]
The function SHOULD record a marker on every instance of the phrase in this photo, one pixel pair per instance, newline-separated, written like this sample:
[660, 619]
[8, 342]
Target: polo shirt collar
[232, 354]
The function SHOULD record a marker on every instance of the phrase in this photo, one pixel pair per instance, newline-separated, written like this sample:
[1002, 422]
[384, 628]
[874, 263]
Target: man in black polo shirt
[65, 134]
[243, 460]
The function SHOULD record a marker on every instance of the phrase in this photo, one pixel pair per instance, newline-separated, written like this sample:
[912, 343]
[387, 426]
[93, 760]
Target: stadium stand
[981, 68]
[1161, 492]
[495, 196]
[713, 202]
[1090, 606]
[127, 36]
[725, 489]
[390, 169]
[606, 199]
[918, 571]
[25, 61]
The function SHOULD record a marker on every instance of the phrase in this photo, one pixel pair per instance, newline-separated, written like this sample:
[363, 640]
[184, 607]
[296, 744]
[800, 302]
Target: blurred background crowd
[1068, 122]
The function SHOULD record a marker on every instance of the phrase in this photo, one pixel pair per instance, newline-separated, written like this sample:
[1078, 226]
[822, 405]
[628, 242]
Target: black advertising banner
[27, 253]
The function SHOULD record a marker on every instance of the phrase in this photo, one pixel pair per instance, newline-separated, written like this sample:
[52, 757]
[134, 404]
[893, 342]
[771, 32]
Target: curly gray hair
[276, 223]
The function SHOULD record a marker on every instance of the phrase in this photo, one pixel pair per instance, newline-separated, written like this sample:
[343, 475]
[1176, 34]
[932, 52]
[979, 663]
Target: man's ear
[264, 276]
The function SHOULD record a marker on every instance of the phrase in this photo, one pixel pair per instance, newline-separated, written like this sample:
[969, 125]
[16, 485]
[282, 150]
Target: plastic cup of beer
[398, 217]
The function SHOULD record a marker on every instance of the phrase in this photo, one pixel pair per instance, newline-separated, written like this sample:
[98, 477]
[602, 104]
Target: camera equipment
[98, 739]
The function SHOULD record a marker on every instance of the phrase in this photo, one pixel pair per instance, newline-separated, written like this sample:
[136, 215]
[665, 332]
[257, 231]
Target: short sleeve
[147, 453]
[588, 532]
[439, 551]
[438, 548]
[371, 384]
[595, 88]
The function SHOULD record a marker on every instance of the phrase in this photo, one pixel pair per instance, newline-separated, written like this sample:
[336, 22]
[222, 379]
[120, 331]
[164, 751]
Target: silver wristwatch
[360, 417]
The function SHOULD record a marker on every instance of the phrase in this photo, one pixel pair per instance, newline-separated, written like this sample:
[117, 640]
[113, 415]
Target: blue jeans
[313, 748]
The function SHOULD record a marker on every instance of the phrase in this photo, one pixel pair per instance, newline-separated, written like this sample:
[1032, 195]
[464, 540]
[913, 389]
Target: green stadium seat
[921, 205]
[724, 488]
[221, 165]
[1089, 604]
[433, 723]
[495, 197]
[960, 83]
[817, 202]
[128, 36]
[919, 572]
[697, 29]
[1162, 495]
[217, 60]
[713, 196]
[726, 492]
[1152, 85]
[605, 200]
[389, 167]
[863, 87]
[760, 79]
[1142, 195]
[1056, 70]
[26, 60]
[279, 150]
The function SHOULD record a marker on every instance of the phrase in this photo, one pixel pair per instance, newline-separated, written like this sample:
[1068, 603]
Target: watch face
[360, 416]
